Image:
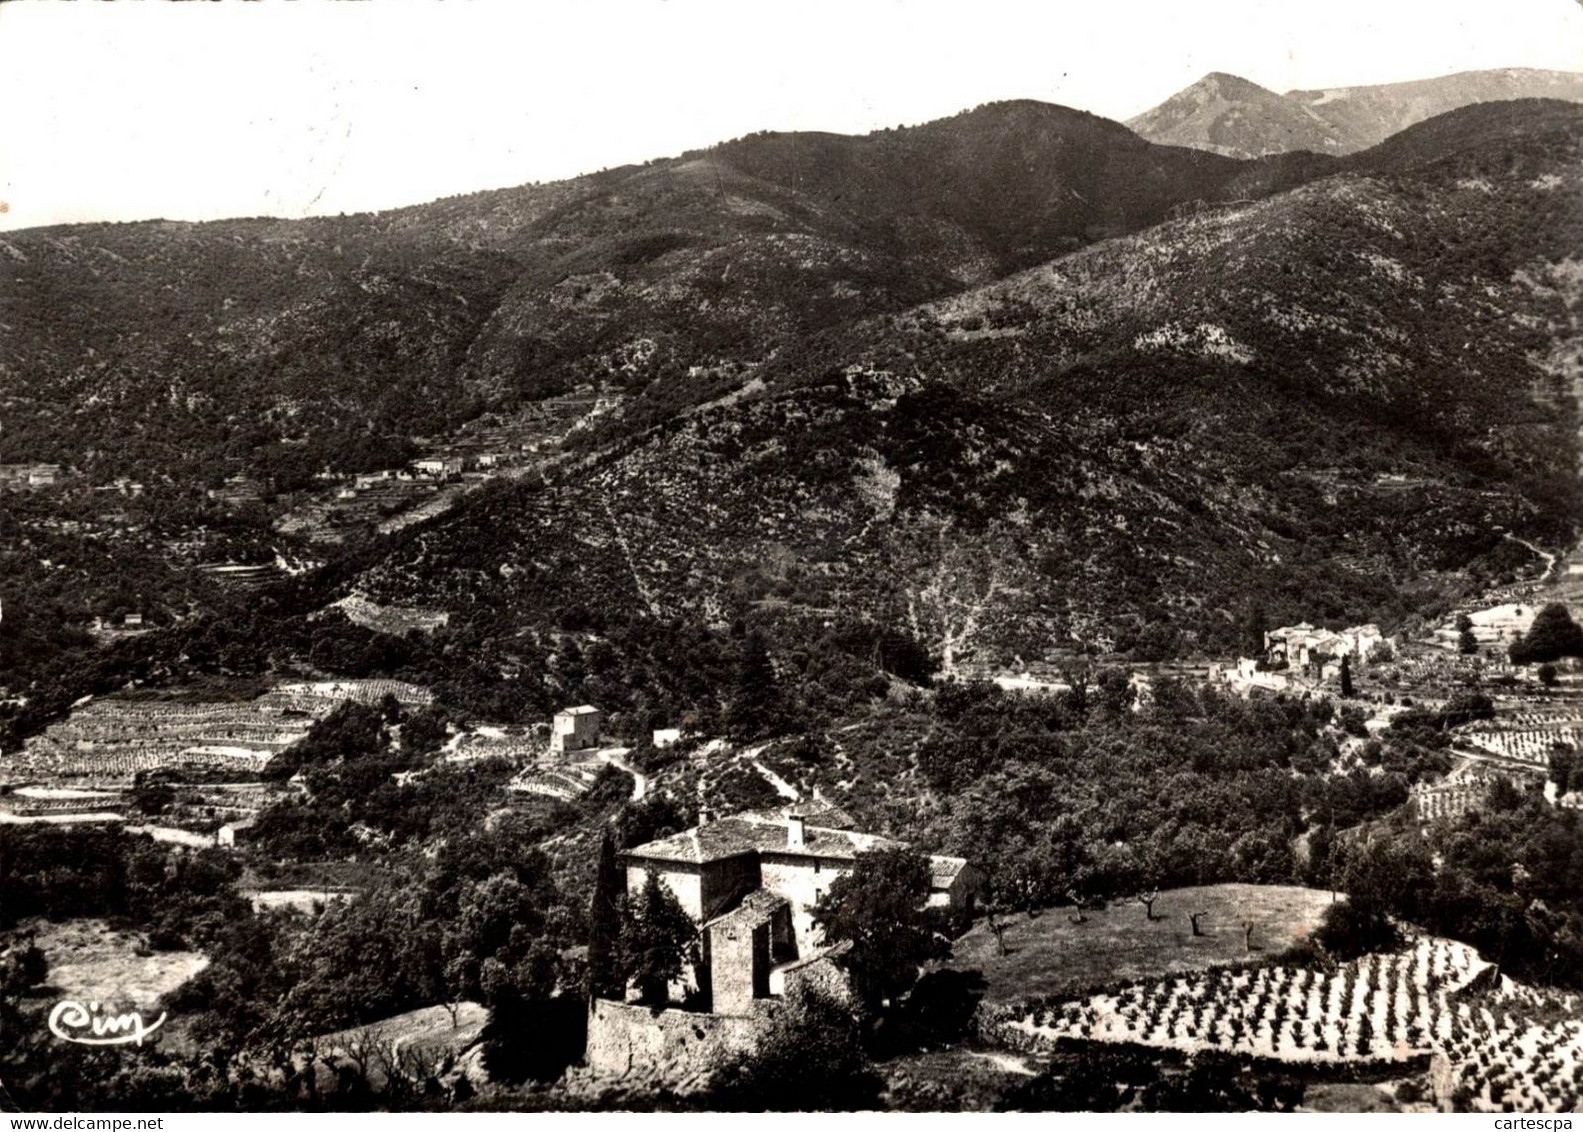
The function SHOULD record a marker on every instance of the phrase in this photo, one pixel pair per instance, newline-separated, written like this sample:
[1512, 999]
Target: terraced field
[1497, 1045]
[1529, 745]
[1527, 732]
[110, 740]
[113, 739]
[566, 782]
[394, 619]
[1386, 1007]
[516, 744]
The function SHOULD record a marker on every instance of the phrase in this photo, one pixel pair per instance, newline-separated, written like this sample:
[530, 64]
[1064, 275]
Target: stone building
[954, 884]
[235, 834]
[29, 475]
[1304, 646]
[751, 882]
[440, 467]
[741, 948]
[680, 1049]
[575, 729]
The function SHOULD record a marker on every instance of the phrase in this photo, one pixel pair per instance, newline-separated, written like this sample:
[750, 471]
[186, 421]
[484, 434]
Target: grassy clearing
[1050, 953]
[963, 1079]
[91, 962]
[428, 1033]
[428, 1027]
[310, 900]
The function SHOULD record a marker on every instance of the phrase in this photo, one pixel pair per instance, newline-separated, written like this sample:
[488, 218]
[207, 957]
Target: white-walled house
[575, 729]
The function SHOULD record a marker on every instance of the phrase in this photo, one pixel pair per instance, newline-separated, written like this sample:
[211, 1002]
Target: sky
[197, 111]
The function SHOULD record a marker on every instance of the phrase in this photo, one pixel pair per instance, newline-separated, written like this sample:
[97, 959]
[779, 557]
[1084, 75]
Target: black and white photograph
[837, 556]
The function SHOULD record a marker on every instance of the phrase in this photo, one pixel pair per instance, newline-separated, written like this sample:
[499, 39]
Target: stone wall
[821, 976]
[678, 1048]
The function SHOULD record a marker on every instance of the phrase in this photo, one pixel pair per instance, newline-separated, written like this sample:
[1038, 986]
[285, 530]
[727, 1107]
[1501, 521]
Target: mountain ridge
[699, 262]
[1217, 371]
[1328, 403]
[1227, 114]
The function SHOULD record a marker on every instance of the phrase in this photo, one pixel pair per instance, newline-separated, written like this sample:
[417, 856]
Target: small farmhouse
[29, 475]
[575, 729]
[439, 467]
[234, 834]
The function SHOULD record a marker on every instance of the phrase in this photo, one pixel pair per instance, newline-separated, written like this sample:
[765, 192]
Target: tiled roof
[944, 869]
[816, 811]
[758, 833]
[820, 955]
[755, 908]
[584, 710]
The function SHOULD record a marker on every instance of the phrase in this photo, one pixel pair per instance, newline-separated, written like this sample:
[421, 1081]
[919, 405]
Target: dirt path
[640, 781]
[632, 566]
[782, 787]
[1006, 1062]
[1550, 559]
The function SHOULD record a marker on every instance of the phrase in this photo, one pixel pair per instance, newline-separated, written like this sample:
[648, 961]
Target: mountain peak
[1231, 115]
[1228, 114]
[1225, 81]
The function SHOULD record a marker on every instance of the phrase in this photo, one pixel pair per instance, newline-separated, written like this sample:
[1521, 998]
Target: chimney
[795, 829]
[705, 815]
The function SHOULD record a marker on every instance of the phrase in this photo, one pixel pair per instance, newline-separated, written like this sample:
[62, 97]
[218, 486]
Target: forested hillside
[1329, 404]
[281, 347]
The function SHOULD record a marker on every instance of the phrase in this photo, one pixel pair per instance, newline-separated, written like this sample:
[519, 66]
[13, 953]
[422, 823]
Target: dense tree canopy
[659, 941]
[879, 909]
[1552, 636]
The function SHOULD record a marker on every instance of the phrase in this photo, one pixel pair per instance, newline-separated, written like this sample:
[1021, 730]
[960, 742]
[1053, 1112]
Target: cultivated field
[308, 900]
[1527, 744]
[1379, 1007]
[1050, 953]
[1494, 1045]
[114, 738]
[394, 619]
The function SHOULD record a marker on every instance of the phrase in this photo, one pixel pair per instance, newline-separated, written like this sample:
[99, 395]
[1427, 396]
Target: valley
[1014, 612]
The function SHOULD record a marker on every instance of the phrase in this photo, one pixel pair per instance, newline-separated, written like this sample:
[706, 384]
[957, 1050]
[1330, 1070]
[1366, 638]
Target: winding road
[1550, 559]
